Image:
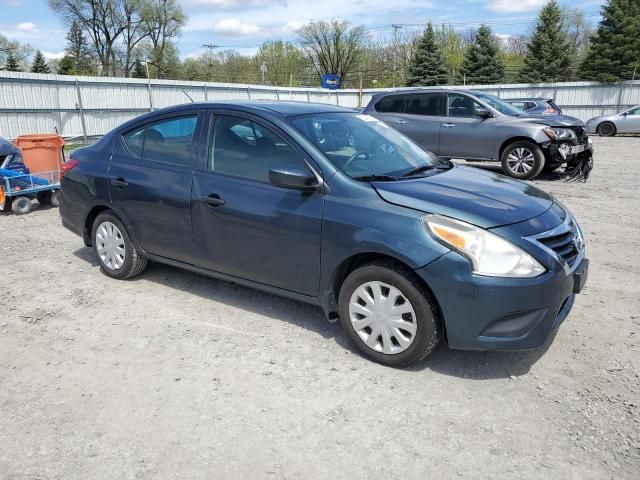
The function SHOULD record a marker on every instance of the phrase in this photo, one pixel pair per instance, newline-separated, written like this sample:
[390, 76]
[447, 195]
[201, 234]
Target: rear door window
[168, 141]
[391, 104]
[425, 104]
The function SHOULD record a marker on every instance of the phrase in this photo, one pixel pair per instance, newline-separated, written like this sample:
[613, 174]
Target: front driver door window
[254, 230]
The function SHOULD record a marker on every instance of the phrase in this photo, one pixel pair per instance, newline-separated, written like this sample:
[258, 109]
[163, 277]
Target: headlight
[488, 253]
[560, 133]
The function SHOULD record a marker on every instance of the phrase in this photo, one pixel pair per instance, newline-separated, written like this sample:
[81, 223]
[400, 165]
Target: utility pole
[395, 51]
[210, 46]
[263, 70]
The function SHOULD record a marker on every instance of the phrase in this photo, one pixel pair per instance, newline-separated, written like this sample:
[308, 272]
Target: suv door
[418, 115]
[244, 226]
[150, 183]
[464, 134]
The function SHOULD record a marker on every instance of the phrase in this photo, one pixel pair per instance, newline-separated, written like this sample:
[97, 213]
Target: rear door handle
[448, 125]
[399, 122]
[213, 200]
[119, 182]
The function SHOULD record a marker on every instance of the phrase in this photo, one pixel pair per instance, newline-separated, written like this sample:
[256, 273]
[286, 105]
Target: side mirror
[624, 114]
[294, 178]
[483, 113]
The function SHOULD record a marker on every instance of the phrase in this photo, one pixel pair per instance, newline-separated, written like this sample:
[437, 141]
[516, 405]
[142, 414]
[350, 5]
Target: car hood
[550, 120]
[473, 195]
[6, 148]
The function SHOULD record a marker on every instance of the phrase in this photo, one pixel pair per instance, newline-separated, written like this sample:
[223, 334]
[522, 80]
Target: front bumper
[494, 313]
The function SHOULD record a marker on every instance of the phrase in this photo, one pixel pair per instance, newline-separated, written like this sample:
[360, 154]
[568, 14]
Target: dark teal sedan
[335, 208]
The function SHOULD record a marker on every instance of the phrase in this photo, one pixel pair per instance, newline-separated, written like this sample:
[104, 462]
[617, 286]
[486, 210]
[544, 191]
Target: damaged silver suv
[478, 126]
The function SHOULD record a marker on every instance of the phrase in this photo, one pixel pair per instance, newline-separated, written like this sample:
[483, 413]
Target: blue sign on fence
[331, 81]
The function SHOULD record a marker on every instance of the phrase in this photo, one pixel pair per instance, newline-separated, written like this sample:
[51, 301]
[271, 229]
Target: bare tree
[333, 46]
[135, 31]
[164, 20]
[102, 20]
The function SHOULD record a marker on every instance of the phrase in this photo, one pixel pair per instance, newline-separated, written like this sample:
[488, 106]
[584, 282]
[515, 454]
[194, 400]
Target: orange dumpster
[41, 153]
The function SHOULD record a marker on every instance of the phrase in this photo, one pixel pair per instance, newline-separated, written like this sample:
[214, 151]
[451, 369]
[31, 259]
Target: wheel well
[356, 261]
[510, 141]
[88, 224]
[615, 129]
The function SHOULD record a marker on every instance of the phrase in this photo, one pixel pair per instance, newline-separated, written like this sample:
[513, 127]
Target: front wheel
[22, 205]
[606, 129]
[118, 257]
[523, 160]
[387, 314]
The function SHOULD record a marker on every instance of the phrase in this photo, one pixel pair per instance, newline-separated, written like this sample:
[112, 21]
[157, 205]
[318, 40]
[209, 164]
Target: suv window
[461, 106]
[246, 149]
[391, 104]
[168, 140]
[428, 104]
[520, 105]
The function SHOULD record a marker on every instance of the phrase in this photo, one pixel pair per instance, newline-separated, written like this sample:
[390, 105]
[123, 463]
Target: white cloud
[293, 26]
[26, 27]
[53, 55]
[516, 6]
[235, 28]
[234, 4]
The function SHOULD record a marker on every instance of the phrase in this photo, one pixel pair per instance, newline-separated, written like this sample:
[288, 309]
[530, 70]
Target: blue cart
[18, 189]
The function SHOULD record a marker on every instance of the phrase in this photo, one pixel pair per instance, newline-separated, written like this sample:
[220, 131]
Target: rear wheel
[387, 314]
[606, 129]
[44, 198]
[21, 205]
[523, 160]
[118, 256]
[55, 198]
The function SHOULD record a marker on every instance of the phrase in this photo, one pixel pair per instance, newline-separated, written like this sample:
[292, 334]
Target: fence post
[249, 93]
[206, 95]
[620, 90]
[150, 95]
[82, 120]
[277, 94]
[308, 97]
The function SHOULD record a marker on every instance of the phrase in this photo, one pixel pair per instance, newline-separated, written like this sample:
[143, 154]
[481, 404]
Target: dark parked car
[331, 207]
[478, 126]
[546, 106]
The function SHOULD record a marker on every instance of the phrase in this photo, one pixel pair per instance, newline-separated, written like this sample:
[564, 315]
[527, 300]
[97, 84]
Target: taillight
[69, 165]
[550, 111]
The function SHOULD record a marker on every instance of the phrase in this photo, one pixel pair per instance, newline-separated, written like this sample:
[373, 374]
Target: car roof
[533, 99]
[284, 108]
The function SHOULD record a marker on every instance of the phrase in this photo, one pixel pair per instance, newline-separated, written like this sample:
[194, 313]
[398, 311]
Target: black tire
[134, 262]
[44, 198]
[606, 129]
[524, 146]
[427, 334]
[21, 205]
[55, 198]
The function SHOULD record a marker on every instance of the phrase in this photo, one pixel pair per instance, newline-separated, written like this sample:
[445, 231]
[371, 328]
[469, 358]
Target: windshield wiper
[419, 170]
[375, 178]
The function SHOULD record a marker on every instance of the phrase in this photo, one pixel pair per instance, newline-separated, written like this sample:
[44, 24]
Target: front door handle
[399, 122]
[118, 182]
[448, 125]
[213, 200]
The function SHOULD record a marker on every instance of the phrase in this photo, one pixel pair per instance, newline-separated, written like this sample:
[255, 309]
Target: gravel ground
[173, 375]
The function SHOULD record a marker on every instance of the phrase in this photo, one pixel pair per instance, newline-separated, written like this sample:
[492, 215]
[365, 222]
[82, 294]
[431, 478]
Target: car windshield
[364, 147]
[499, 105]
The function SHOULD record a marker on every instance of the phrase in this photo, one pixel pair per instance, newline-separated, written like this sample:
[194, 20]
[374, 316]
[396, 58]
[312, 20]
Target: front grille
[564, 244]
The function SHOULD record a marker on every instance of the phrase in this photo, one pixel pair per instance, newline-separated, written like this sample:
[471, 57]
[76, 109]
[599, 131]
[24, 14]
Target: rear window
[391, 104]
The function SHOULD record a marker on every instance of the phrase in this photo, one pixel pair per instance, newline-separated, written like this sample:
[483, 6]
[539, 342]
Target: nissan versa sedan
[610, 125]
[332, 207]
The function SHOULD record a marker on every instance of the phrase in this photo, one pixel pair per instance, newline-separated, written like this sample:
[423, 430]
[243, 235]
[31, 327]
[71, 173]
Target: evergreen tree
[12, 64]
[78, 50]
[427, 66]
[548, 56]
[66, 66]
[483, 62]
[615, 48]
[39, 64]
[139, 70]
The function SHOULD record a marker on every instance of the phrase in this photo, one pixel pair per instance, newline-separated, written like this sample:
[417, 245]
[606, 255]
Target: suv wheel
[387, 314]
[606, 129]
[118, 256]
[522, 160]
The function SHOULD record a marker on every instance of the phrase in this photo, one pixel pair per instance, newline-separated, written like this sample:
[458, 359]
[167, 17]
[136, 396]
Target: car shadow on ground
[468, 365]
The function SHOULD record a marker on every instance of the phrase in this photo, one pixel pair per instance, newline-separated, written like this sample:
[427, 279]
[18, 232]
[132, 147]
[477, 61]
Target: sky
[244, 24]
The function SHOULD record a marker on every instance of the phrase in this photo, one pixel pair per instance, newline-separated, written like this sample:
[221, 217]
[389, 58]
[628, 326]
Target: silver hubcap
[383, 317]
[521, 160]
[110, 245]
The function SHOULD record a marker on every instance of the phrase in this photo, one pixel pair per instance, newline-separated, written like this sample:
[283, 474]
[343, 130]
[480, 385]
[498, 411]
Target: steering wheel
[354, 157]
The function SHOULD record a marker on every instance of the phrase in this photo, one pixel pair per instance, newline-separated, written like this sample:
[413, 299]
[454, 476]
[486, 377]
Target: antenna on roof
[188, 96]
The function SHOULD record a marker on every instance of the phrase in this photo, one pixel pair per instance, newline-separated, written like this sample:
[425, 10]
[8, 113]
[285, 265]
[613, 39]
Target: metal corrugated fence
[89, 106]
